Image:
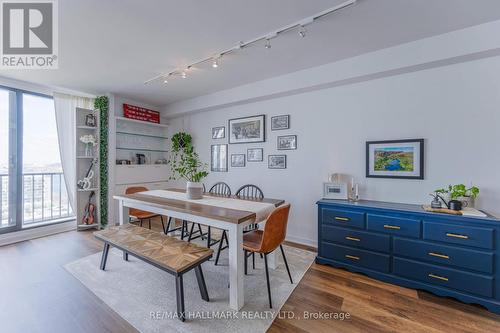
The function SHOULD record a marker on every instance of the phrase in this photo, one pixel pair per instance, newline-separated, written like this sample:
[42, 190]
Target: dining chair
[248, 191]
[141, 215]
[267, 240]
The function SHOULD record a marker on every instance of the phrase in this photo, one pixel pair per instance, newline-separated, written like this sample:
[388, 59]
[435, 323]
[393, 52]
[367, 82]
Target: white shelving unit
[83, 163]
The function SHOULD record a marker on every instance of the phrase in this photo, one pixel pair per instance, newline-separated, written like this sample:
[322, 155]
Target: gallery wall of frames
[251, 130]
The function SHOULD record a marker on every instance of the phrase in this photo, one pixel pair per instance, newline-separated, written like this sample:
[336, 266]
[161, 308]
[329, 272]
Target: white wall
[455, 108]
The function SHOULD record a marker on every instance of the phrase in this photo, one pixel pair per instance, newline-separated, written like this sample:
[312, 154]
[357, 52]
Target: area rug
[145, 296]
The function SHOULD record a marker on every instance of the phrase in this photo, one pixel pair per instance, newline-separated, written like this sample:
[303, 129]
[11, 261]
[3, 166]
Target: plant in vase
[460, 192]
[185, 163]
[90, 141]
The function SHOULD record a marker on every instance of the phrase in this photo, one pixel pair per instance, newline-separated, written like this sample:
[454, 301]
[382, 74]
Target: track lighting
[302, 31]
[214, 60]
[165, 81]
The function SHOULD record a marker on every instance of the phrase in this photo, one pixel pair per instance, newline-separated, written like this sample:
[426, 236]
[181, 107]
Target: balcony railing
[44, 198]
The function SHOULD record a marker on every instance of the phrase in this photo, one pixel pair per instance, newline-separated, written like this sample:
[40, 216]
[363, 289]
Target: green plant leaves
[184, 161]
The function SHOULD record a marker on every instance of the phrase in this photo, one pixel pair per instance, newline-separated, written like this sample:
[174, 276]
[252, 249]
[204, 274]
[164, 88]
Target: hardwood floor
[38, 295]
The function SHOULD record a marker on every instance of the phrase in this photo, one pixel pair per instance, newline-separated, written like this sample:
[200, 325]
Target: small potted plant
[90, 141]
[185, 163]
[460, 192]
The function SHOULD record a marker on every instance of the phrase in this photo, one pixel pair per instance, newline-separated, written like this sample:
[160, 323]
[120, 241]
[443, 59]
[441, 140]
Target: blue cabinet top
[401, 207]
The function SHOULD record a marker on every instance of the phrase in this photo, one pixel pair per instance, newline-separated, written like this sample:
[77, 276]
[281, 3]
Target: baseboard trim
[23, 235]
[302, 241]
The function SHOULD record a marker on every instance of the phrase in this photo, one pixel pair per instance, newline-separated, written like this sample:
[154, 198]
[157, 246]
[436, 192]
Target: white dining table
[216, 211]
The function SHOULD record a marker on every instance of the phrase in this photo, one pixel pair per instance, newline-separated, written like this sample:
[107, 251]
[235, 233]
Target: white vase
[89, 151]
[194, 190]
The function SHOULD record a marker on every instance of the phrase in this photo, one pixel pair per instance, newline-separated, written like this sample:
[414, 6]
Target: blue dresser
[402, 244]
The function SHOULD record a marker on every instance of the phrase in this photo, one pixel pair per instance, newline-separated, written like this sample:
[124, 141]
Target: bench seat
[164, 252]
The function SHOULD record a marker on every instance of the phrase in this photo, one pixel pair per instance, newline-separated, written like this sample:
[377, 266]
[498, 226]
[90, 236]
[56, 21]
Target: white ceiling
[115, 45]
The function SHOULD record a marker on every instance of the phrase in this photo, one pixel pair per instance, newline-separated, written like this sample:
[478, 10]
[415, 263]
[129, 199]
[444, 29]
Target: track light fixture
[300, 25]
[165, 81]
[302, 31]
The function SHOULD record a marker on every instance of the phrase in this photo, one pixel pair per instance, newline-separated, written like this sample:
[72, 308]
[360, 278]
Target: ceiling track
[267, 37]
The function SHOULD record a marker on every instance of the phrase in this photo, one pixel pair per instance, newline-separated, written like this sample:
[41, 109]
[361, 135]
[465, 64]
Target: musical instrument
[89, 212]
[86, 183]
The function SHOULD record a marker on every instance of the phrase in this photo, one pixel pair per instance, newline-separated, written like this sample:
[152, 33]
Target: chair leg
[253, 260]
[167, 230]
[162, 224]
[149, 220]
[201, 232]
[201, 283]
[104, 257]
[125, 255]
[246, 261]
[191, 232]
[209, 237]
[268, 284]
[219, 249]
[286, 263]
[141, 222]
[184, 226]
[179, 290]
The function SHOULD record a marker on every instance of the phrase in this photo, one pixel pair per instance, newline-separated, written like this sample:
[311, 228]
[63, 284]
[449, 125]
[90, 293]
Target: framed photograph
[287, 142]
[247, 129]
[90, 120]
[395, 159]
[218, 132]
[218, 158]
[255, 154]
[237, 160]
[335, 191]
[280, 122]
[276, 161]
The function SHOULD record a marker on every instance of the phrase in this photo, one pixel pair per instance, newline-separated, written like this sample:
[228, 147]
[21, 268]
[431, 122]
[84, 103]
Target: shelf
[140, 165]
[90, 189]
[140, 149]
[145, 135]
[87, 127]
[88, 226]
[140, 122]
[89, 157]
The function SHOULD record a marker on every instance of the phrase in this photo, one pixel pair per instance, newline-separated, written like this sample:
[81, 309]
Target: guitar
[85, 183]
[88, 215]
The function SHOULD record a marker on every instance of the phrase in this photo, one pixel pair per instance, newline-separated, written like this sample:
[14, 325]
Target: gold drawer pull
[388, 226]
[341, 218]
[444, 256]
[351, 257]
[353, 239]
[449, 234]
[434, 276]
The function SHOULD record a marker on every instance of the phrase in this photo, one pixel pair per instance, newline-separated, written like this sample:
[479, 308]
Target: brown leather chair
[140, 214]
[268, 240]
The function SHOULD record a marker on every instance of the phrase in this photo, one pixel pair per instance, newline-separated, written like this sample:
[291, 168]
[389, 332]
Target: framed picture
[247, 129]
[218, 132]
[218, 158]
[335, 191]
[276, 161]
[237, 160]
[395, 159]
[90, 120]
[255, 154]
[287, 142]
[280, 122]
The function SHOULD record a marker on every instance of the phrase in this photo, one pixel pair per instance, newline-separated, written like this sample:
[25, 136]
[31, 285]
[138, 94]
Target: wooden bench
[164, 252]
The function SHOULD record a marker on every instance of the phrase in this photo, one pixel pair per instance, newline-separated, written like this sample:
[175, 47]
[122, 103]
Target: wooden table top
[169, 252]
[213, 212]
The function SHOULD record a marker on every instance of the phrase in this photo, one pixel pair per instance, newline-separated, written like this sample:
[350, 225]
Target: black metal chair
[248, 191]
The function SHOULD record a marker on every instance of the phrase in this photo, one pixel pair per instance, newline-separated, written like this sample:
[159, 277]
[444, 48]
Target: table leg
[122, 213]
[236, 291]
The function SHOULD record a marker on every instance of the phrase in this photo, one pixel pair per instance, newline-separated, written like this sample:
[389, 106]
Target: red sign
[138, 113]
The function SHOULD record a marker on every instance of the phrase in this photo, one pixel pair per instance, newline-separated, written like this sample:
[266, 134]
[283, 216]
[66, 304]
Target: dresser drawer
[394, 225]
[357, 257]
[345, 218]
[444, 254]
[445, 277]
[459, 234]
[355, 238]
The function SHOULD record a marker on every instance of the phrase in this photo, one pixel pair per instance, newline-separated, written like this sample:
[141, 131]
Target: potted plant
[185, 163]
[460, 192]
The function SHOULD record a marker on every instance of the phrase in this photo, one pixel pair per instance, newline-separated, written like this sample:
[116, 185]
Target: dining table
[230, 213]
